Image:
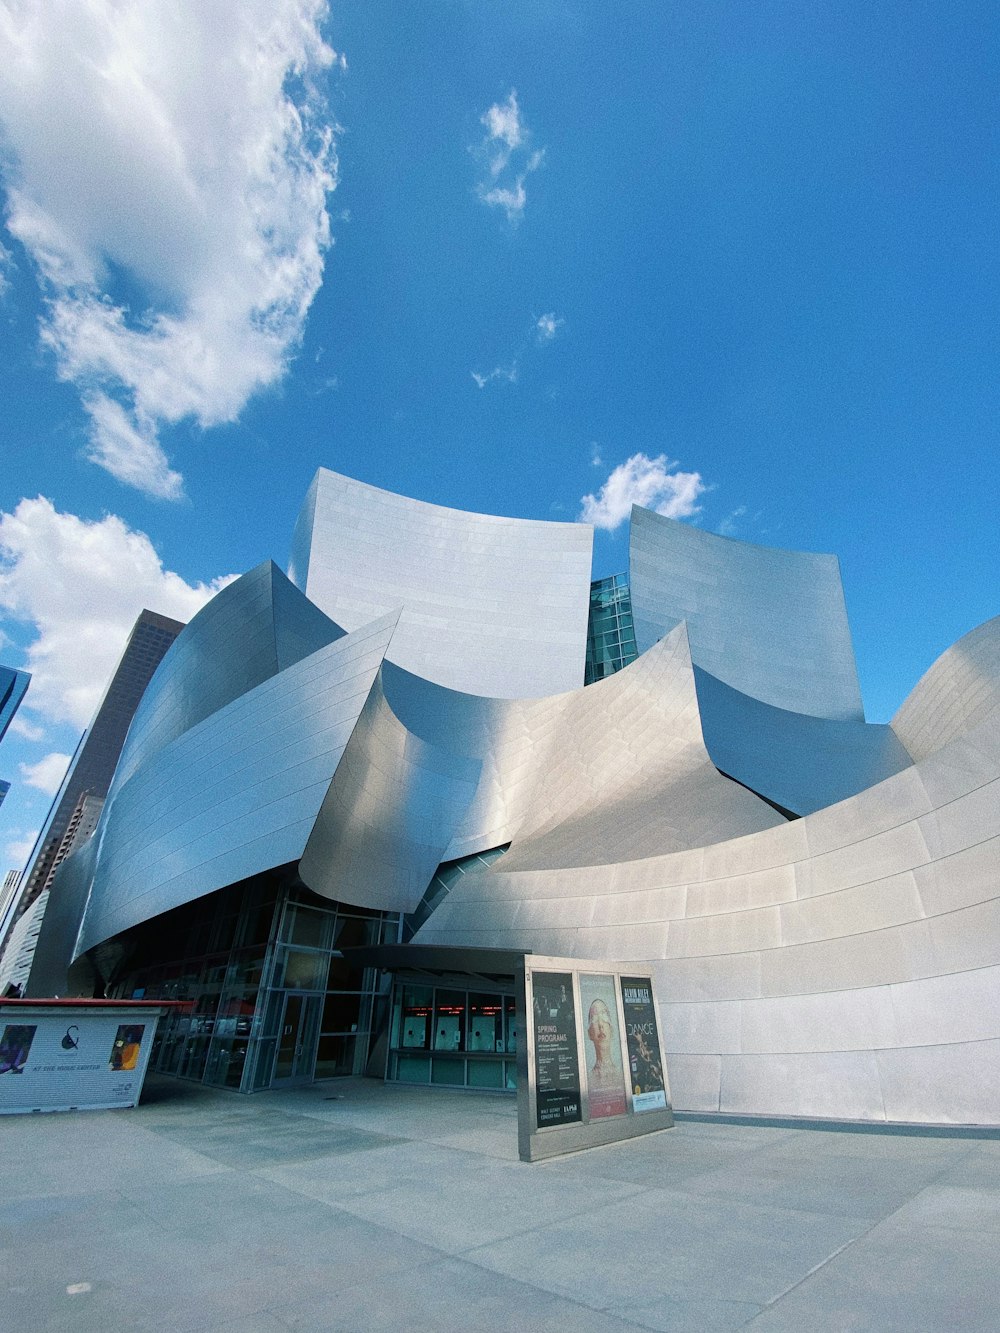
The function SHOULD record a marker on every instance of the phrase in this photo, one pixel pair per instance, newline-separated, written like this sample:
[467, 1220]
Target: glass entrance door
[296, 1054]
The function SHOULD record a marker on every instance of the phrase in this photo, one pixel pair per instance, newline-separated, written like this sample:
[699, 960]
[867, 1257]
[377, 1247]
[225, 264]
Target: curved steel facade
[770, 623]
[800, 762]
[846, 964]
[843, 963]
[490, 606]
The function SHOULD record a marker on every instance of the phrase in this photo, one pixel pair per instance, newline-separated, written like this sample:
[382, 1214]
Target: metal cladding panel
[616, 770]
[623, 773]
[494, 732]
[388, 816]
[866, 934]
[251, 630]
[800, 762]
[491, 606]
[955, 695]
[770, 623]
[234, 795]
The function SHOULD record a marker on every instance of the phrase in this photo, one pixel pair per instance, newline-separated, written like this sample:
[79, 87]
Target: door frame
[303, 1062]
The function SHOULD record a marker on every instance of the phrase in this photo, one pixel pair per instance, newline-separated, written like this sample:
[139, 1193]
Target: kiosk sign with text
[592, 1069]
[557, 1067]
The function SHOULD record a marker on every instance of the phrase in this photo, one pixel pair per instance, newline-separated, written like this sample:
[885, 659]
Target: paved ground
[354, 1206]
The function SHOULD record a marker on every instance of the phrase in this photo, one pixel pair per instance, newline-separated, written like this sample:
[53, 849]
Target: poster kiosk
[591, 1068]
[75, 1054]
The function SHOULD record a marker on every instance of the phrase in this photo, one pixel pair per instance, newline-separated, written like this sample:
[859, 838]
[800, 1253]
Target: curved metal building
[492, 606]
[770, 623]
[404, 732]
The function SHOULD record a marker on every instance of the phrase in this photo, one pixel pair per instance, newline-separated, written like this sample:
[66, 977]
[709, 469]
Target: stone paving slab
[355, 1206]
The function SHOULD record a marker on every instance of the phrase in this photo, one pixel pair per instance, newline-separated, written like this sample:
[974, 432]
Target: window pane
[413, 1068]
[304, 971]
[449, 1021]
[485, 1023]
[415, 1018]
[485, 1073]
[340, 1013]
[448, 1070]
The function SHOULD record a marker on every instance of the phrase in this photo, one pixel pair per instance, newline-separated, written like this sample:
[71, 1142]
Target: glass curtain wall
[266, 997]
[314, 999]
[458, 1037]
[610, 630]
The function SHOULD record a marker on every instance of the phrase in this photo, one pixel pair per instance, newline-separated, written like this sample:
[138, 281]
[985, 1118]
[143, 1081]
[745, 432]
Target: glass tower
[100, 747]
[610, 632]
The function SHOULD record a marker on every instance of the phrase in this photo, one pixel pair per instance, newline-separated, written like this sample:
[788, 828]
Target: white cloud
[729, 525]
[169, 173]
[47, 774]
[508, 373]
[595, 455]
[19, 849]
[20, 726]
[127, 446]
[508, 157]
[547, 326]
[6, 265]
[504, 132]
[641, 480]
[81, 585]
[544, 330]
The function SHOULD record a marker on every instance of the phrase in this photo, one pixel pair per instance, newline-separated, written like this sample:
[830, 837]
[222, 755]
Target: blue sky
[737, 261]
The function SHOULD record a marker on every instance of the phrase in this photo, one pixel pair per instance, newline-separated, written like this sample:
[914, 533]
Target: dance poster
[643, 1040]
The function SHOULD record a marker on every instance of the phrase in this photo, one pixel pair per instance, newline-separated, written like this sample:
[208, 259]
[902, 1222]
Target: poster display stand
[591, 1068]
[75, 1055]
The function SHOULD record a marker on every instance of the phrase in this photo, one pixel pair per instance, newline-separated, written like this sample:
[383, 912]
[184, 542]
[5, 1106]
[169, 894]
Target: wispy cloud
[508, 373]
[547, 326]
[6, 266]
[81, 586]
[730, 524]
[28, 731]
[543, 330]
[47, 774]
[650, 482]
[19, 847]
[169, 167]
[595, 455]
[508, 157]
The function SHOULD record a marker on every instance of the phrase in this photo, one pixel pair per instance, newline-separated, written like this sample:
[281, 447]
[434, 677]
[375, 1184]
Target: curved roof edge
[800, 762]
[492, 606]
[771, 623]
[954, 695]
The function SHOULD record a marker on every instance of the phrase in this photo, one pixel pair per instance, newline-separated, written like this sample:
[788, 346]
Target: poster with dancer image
[15, 1046]
[557, 1073]
[645, 1060]
[605, 1076]
[125, 1051]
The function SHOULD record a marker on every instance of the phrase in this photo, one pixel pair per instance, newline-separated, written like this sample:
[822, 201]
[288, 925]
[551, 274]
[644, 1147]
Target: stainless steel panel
[491, 606]
[770, 623]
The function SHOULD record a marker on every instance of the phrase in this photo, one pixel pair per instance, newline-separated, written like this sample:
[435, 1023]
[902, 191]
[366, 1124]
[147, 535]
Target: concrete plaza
[355, 1206]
